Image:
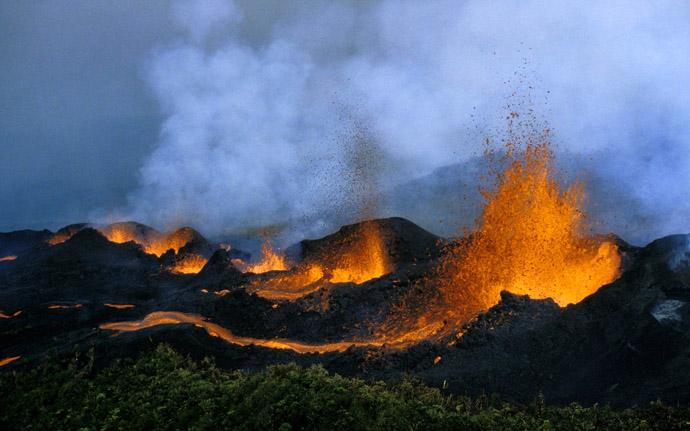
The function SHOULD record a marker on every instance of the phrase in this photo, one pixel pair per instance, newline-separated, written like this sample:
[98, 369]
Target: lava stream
[176, 317]
[119, 306]
[60, 306]
[7, 258]
[6, 361]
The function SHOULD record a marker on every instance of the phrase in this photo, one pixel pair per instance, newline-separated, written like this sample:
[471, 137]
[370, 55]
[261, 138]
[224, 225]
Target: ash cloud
[263, 101]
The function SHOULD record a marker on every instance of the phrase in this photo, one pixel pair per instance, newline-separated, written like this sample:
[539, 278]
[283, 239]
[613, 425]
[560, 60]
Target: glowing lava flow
[175, 318]
[59, 306]
[9, 316]
[7, 258]
[6, 361]
[291, 285]
[119, 306]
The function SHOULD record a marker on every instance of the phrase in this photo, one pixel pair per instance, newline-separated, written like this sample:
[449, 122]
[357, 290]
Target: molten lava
[175, 317]
[119, 306]
[289, 285]
[64, 307]
[6, 361]
[270, 261]
[7, 258]
[151, 241]
[531, 239]
[9, 316]
[365, 260]
[361, 258]
[190, 264]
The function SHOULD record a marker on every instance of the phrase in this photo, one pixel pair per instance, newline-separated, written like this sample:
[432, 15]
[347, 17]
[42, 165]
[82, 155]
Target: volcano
[528, 303]
[626, 342]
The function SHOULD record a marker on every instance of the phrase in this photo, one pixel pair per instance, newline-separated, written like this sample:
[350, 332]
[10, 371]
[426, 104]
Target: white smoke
[257, 128]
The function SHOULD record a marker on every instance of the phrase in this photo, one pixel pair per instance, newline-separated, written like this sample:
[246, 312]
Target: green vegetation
[164, 390]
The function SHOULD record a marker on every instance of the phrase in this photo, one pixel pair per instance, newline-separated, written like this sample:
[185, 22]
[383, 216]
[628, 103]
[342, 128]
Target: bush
[164, 390]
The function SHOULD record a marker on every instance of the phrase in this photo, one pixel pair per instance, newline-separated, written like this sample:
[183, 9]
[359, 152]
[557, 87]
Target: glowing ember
[119, 306]
[270, 261]
[60, 307]
[174, 317]
[7, 258]
[191, 264]
[6, 361]
[9, 316]
[530, 240]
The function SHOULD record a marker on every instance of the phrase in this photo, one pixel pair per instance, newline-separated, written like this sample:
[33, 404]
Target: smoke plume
[261, 113]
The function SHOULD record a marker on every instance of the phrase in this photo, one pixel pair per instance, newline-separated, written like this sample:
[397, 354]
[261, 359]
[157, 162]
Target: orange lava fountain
[531, 239]
[191, 264]
[365, 260]
[270, 261]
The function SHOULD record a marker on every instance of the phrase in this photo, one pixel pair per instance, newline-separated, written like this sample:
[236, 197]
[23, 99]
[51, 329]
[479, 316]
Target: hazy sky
[76, 115]
[223, 114]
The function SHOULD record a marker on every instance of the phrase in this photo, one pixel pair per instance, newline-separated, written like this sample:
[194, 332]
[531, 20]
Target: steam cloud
[260, 125]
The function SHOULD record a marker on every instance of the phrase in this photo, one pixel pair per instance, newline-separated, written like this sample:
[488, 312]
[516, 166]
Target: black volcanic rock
[85, 267]
[66, 232]
[219, 272]
[196, 244]
[18, 242]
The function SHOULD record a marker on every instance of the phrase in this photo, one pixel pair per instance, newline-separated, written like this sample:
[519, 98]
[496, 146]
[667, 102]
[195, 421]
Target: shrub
[165, 390]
